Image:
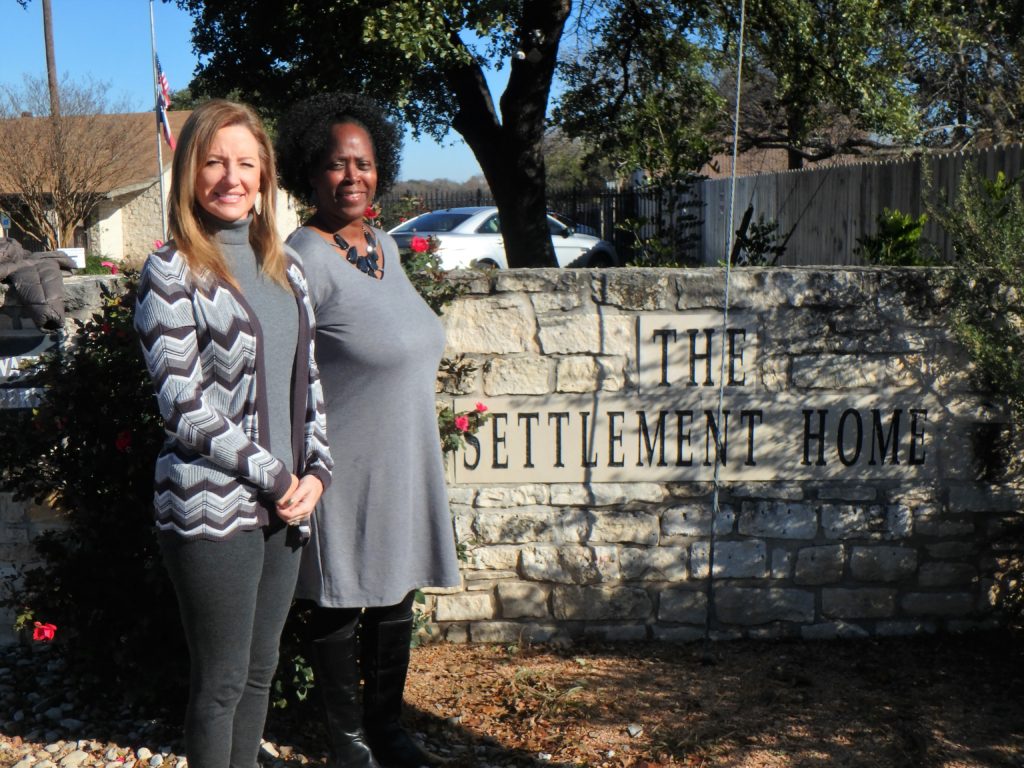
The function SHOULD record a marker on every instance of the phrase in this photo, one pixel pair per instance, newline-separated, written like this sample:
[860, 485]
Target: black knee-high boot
[385, 657]
[336, 670]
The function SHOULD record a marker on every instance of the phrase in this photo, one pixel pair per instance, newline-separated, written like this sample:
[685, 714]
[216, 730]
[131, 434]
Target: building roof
[138, 130]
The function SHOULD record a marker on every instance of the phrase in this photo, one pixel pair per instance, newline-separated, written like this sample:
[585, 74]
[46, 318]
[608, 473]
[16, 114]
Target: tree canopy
[424, 59]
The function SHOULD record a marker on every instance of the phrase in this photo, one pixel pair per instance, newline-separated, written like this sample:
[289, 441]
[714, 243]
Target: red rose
[370, 212]
[419, 244]
[462, 423]
[43, 632]
[123, 441]
[481, 408]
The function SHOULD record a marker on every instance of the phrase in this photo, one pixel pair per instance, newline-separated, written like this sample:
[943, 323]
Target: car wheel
[600, 260]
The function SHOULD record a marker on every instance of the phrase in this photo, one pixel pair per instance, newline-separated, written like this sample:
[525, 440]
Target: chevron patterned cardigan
[203, 347]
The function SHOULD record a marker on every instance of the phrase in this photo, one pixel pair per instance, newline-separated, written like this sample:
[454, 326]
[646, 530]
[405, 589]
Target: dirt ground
[954, 702]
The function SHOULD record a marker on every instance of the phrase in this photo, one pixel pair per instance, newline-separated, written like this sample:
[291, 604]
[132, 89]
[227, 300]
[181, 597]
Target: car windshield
[438, 221]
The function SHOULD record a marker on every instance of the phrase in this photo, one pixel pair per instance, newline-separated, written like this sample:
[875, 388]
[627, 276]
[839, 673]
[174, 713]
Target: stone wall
[850, 502]
[851, 499]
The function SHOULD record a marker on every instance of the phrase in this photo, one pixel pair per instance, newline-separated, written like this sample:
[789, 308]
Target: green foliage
[898, 241]
[640, 97]
[88, 451]
[985, 224]
[986, 228]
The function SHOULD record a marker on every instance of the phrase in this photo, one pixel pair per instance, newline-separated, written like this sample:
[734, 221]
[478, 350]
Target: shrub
[898, 241]
[88, 450]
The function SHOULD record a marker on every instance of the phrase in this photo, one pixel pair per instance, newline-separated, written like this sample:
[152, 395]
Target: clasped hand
[298, 504]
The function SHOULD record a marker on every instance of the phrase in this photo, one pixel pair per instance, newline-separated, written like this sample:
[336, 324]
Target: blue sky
[109, 40]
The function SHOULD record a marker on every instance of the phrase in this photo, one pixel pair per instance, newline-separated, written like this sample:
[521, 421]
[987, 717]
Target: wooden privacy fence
[827, 209]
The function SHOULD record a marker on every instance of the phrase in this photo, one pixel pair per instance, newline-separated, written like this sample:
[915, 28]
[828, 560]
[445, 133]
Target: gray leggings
[234, 597]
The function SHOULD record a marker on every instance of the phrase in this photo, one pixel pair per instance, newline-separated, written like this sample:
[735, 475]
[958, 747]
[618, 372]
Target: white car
[472, 237]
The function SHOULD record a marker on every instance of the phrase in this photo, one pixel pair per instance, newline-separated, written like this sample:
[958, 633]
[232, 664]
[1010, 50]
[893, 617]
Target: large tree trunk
[509, 152]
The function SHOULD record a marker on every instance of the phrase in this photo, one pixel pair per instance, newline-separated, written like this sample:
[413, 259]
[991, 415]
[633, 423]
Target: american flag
[161, 78]
[163, 100]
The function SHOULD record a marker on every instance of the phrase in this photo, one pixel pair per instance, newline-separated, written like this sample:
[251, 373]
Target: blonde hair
[192, 235]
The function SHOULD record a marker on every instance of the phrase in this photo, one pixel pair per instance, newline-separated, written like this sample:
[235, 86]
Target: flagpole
[156, 109]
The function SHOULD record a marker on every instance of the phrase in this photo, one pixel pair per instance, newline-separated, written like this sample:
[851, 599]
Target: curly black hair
[304, 131]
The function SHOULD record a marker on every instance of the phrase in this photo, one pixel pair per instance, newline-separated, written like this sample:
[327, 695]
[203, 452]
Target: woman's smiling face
[229, 178]
[346, 179]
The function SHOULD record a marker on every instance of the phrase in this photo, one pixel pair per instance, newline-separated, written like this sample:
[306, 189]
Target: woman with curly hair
[383, 529]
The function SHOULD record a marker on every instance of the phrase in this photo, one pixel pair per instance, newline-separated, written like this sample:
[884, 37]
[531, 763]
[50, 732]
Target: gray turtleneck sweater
[273, 308]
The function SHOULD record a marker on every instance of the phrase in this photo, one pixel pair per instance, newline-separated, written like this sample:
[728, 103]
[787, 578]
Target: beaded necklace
[367, 264]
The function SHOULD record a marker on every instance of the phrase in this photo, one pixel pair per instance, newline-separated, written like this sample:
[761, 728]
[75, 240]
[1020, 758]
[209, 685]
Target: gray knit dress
[383, 528]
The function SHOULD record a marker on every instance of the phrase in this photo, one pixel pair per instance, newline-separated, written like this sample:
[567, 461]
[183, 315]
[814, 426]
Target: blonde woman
[227, 332]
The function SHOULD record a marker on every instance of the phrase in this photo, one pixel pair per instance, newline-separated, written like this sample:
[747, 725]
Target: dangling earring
[258, 204]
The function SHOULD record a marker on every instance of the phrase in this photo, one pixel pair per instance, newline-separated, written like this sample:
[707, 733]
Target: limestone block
[820, 565]
[502, 558]
[504, 496]
[778, 520]
[705, 289]
[685, 606]
[695, 520]
[865, 603]
[570, 494]
[781, 563]
[842, 521]
[770, 490]
[517, 376]
[616, 633]
[904, 628]
[584, 373]
[604, 334]
[848, 492]
[938, 603]
[738, 559]
[832, 630]
[752, 605]
[882, 563]
[466, 606]
[653, 563]
[951, 549]
[839, 372]
[461, 494]
[930, 523]
[509, 632]
[635, 290]
[561, 301]
[462, 520]
[570, 564]
[984, 498]
[523, 601]
[900, 521]
[456, 633]
[547, 280]
[946, 574]
[500, 325]
[773, 372]
[605, 603]
[607, 494]
[611, 526]
[529, 524]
